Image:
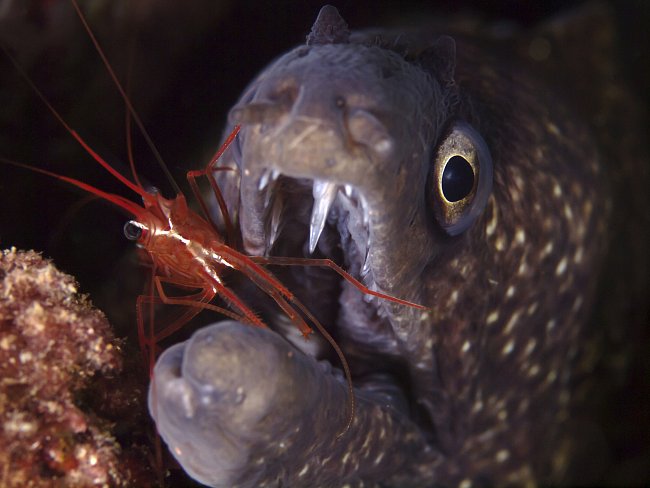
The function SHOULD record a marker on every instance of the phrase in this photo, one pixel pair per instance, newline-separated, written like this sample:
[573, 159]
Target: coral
[59, 368]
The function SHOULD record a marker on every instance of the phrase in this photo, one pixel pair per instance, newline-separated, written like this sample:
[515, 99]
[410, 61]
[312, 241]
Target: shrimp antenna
[137, 189]
[126, 99]
[131, 208]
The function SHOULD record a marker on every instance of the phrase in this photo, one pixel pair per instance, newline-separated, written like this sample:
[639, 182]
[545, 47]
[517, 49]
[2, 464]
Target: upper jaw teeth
[325, 193]
[268, 176]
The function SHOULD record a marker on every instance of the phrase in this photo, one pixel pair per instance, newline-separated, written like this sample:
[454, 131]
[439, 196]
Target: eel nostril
[267, 105]
[257, 113]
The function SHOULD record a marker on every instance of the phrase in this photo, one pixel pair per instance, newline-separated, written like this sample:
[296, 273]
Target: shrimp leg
[208, 172]
[200, 301]
[215, 287]
[148, 342]
[328, 263]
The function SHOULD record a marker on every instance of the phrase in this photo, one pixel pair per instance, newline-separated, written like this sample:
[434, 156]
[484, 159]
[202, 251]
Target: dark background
[191, 60]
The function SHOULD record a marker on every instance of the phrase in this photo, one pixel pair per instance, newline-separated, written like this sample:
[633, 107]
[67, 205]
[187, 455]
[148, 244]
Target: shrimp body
[186, 251]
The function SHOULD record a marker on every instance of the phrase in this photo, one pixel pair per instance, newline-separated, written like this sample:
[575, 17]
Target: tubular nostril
[257, 113]
[267, 104]
[366, 129]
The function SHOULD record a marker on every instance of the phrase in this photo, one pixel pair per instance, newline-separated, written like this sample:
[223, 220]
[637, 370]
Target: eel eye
[461, 179]
[133, 230]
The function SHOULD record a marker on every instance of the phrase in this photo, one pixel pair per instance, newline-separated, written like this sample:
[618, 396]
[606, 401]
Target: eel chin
[238, 406]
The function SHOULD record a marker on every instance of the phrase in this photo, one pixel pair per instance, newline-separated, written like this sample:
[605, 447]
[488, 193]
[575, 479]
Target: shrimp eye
[461, 178]
[132, 230]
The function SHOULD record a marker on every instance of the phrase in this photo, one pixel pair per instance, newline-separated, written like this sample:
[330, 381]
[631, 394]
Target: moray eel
[446, 167]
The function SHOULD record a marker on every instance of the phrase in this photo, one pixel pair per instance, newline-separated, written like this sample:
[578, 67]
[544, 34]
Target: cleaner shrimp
[188, 252]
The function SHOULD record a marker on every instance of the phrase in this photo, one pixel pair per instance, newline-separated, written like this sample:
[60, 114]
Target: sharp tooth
[268, 179]
[324, 194]
[269, 192]
[264, 179]
[348, 190]
[366, 264]
[364, 213]
[276, 213]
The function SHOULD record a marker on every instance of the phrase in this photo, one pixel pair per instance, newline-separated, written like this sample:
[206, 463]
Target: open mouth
[314, 218]
[336, 226]
[336, 206]
[299, 217]
[306, 218]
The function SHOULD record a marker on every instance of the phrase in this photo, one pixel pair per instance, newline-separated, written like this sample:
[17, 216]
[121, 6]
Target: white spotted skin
[527, 241]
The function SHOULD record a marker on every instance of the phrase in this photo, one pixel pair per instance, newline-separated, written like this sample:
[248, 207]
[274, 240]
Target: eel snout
[238, 406]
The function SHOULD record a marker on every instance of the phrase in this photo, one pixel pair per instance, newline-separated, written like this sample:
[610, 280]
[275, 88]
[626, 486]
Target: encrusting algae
[59, 401]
